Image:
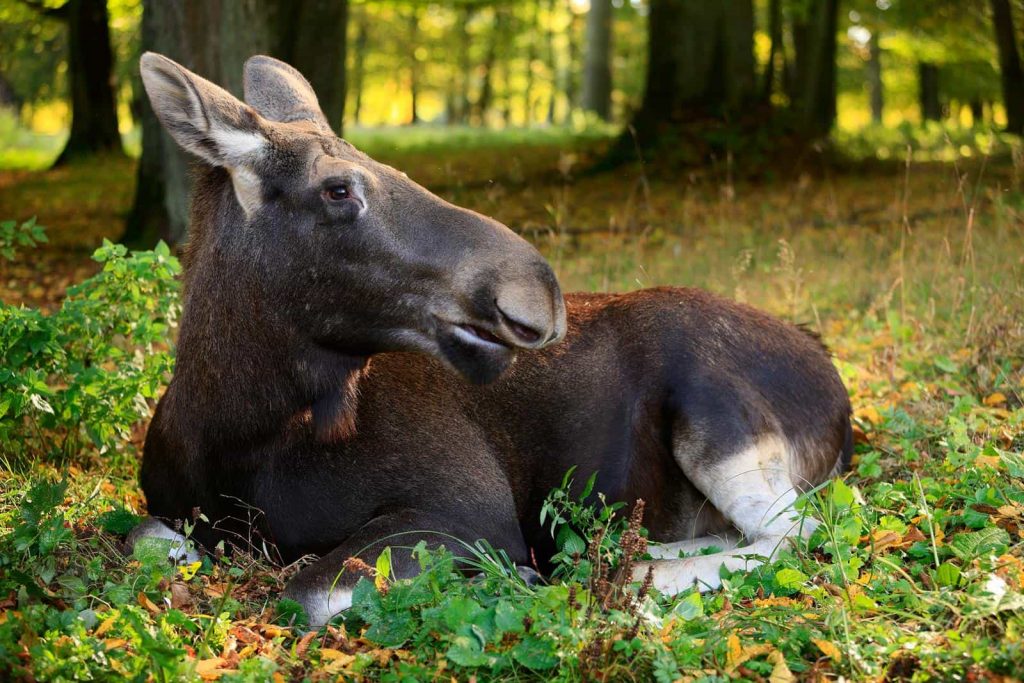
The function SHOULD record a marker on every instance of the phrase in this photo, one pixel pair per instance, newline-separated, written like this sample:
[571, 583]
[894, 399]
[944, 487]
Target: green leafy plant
[85, 374]
[14, 235]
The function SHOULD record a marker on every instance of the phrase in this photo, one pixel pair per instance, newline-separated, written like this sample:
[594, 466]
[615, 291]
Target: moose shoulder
[359, 359]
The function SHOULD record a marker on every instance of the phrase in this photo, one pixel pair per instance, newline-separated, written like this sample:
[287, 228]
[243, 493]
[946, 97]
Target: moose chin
[362, 364]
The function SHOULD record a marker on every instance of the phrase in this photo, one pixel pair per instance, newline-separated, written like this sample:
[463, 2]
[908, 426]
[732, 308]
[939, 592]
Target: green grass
[913, 275]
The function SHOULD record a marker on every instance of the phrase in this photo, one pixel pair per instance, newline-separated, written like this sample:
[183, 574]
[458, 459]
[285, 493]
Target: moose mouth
[475, 335]
[476, 353]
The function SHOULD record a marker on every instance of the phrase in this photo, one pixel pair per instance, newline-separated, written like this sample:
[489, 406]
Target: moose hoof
[180, 550]
[529, 576]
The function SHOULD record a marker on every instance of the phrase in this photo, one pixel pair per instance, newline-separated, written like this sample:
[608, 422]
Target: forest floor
[912, 273]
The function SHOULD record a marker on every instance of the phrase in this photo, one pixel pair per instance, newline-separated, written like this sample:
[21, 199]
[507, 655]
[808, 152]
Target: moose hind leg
[724, 541]
[754, 491]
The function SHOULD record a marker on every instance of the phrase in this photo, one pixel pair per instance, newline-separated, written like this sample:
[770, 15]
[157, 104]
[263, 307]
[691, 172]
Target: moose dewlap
[362, 364]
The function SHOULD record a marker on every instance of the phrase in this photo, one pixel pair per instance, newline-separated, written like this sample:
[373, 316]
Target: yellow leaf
[780, 670]
[148, 604]
[775, 602]
[882, 539]
[333, 655]
[987, 461]
[868, 414]
[994, 399]
[734, 652]
[105, 626]
[114, 643]
[209, 669]
[1014, 510]
[737, 654]
[271, 631]
[828, 649]
[187, 571]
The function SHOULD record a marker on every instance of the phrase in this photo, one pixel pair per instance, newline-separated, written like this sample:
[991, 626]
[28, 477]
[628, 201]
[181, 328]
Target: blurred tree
[90, 78]
[597, 72]
[413, 22]
[775, 49]
[483, 100]
[928, 91]
[700, 64]
[530, 64]
[214, 38]
[463, 74]
[8, 96]
[32, 53]
[552, 57]
[875, 86]
[813, 94]
[1009, 65]
[572, 59]
[359, 63]
[310, 35]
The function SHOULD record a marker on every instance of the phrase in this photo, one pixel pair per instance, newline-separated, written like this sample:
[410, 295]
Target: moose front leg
[324, 589]
[180, 549]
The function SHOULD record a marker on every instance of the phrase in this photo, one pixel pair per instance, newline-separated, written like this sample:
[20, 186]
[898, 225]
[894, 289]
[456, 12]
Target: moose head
[352, 256]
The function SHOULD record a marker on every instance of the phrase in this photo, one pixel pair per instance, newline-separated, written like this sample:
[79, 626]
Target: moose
[360, 361]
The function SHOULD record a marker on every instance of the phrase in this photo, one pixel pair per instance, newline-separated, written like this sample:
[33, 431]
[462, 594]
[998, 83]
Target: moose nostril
[524, 333]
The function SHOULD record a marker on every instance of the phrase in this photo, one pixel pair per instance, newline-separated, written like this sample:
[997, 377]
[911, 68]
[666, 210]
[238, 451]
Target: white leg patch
[322, 606]
[667, 551]
[181, 550]
[754, 491]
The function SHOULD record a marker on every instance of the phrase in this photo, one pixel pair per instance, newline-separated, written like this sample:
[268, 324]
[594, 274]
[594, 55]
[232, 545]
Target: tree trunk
[310, 35]
[977, 112]
[928, 92]
[814, 89]
[1009, 66]
[90, 78]
[483, 100]
[570, 68]
[775, 36]
[597, 73]
[150, 219]
[531, 57]
[214, 38]
[465, 69]
[700, 63]
[8, 97]
[359, 65]
[875, 88]
[552, 63]
[414, 67]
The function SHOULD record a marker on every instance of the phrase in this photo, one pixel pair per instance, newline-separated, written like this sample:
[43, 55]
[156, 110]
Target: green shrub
[74, 382]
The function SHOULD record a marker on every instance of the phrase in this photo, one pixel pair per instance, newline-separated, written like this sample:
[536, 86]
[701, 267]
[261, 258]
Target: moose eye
[337, 193]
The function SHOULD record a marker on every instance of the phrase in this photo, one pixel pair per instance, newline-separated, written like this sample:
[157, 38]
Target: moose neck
[243, 376]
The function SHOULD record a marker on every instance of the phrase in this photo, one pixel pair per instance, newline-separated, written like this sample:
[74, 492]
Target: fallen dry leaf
[180, 596]
[995, 399]
[828, 649]
[148, 604]
[211, 669]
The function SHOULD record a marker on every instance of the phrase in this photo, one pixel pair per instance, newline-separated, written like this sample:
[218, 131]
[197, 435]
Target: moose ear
[280, 93]
[202, 117]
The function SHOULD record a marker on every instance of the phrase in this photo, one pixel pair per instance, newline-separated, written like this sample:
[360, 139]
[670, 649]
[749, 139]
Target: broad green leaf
[790, 579]
[947, 575]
